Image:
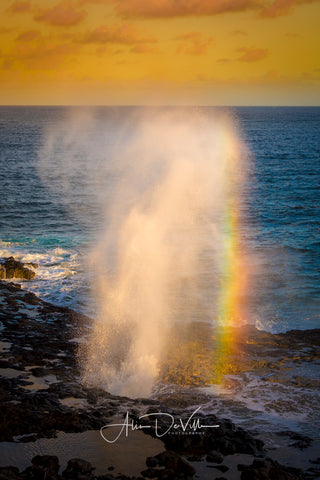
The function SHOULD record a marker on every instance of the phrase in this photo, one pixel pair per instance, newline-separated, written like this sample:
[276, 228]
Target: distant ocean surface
[281, 225]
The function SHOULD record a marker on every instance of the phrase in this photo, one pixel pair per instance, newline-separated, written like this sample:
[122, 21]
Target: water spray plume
[168, 252]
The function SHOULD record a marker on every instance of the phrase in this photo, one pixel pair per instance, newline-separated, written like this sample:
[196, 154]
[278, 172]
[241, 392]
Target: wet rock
[46, 415]
[28, 438]
[38, 371]
[301, 444]
[214, 457]
[313, 472]
[169, 474]
[267, 469]
[226, 438]
[32, 264]
[43, 341]
[2, 272]
[12, 268]
[152, 462]
[37, 342]
[150, 473]
[31, 298]
[171, 460]
[168, 466]
[300, 441]
[194, 458]
[78, 468]
[44, 467]
[9, 473]
[10, 286]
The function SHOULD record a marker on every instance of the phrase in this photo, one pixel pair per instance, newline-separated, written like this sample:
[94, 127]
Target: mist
[156, 186]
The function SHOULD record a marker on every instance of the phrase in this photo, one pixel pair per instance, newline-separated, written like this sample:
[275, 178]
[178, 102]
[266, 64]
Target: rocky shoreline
[41, 395]
[11, 268]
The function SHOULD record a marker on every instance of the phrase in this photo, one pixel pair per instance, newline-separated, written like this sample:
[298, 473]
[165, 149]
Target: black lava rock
[12, 268]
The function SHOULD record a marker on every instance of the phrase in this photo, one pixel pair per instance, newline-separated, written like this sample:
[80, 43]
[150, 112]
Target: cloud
[223, 61]
[144, 48]
[178, 8]
[96, 2]
[293, 35]
[247, 55]
[271, 77]
[19, 7]
[6, 63]
[175, 8]
[5, 30]
[122, 34]
[63, 14]
[193, 43]
[252, 54]
[102, 50]
[193, 36]
[184, 8]
[239, 32]
[40, 54]
[28, 36]
[279, 8]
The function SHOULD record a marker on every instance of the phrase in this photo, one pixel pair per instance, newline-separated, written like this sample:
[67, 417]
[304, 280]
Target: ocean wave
[265, 401]
[59, 275]
[5, 253]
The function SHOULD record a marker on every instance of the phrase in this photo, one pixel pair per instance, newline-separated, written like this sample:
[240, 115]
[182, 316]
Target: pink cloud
[184, 8]
[42, 55]
[170, 8]
[144, 48]
[5, 30]
[28, 36]
[293, 35]
[282, 7]
[252, 54]
[224, 60]
[19, 7]
[193, 43]
[122, 34]
[239, 32]
[65, 14]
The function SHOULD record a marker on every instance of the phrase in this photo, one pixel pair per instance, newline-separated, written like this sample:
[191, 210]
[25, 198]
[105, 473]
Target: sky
[167, 52]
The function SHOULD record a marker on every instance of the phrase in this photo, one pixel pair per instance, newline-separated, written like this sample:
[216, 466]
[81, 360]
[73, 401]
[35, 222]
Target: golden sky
[194, 52]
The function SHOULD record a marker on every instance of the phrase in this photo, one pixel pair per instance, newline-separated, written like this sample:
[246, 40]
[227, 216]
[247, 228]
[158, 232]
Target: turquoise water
[51, 213]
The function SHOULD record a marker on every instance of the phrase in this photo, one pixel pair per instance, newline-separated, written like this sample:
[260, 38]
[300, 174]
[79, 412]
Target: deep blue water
[284, 201]
[53, 221]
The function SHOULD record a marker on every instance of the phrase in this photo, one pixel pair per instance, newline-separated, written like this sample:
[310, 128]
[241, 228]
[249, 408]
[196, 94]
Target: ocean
[143, 206]
[51, 213]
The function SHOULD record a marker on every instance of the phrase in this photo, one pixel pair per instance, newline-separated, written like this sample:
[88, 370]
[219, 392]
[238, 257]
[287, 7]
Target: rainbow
[231, 310]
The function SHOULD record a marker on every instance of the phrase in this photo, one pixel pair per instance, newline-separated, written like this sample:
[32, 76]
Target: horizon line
[157, 105]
